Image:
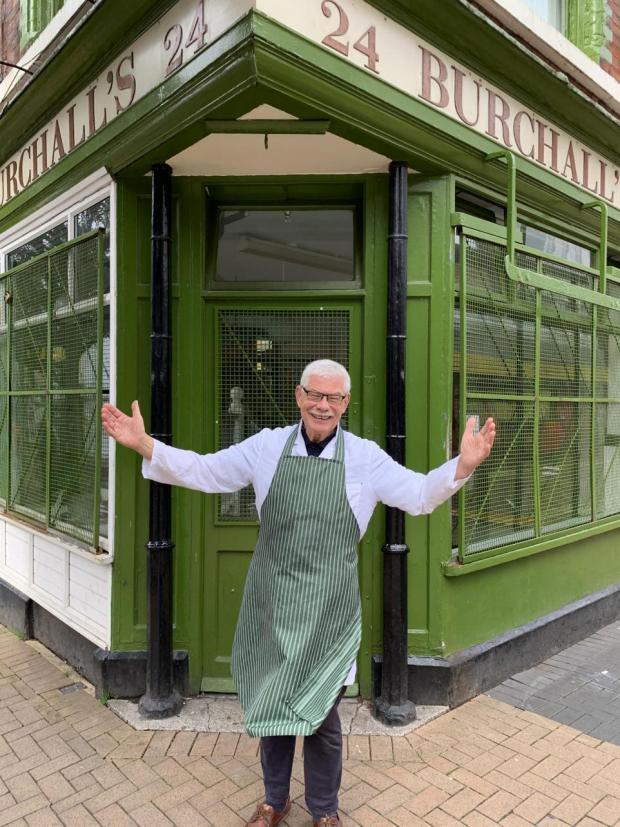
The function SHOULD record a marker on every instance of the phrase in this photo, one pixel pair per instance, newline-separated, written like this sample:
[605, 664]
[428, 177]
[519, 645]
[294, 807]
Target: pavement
[67, 759]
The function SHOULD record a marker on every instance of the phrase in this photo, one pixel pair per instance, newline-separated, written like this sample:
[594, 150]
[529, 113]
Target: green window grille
[546, 366]
[51, 385]
[261, 356]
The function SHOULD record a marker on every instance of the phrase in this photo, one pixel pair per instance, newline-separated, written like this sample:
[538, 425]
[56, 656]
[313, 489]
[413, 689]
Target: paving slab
[67, 759]
[579, 686]
[223, 713]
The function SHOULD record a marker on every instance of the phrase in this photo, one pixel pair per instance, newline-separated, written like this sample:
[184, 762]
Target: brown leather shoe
[266, 816]
[327, 821]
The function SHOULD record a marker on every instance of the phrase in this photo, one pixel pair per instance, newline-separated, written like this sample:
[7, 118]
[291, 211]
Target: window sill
[455, 569]
[103, 556]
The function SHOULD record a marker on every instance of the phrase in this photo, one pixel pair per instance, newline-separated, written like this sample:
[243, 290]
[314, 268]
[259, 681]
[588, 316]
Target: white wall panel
[89, 589]
[72, 584]
[2, 543]
[18, 559]
[49, 568]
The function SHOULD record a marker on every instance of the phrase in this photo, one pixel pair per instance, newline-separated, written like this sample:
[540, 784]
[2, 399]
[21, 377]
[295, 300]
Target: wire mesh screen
[607, 458]
[500, 326]
[608, 348]
[27, 492]
[565, 455]
[528, 363]
[4, 432]
[55, 389]
[261, 356]
[72, 477]
[29, 328]
[499, 501]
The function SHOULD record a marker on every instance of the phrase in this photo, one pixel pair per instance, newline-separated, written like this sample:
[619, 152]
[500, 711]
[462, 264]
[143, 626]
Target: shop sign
[358, 32]
[351, 29]
[166, 47]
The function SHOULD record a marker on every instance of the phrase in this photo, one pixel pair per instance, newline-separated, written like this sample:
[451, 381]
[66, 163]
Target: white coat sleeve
[399, 487]
[220, 473]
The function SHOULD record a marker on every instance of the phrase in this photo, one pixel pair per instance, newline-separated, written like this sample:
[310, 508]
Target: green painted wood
[267, 126]
[372, 424]
[211, 557]
[429, 398]
[498, 598]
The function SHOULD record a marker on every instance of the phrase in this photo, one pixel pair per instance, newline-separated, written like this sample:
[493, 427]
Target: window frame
[219, 198]
[472, 227]
[90, 191]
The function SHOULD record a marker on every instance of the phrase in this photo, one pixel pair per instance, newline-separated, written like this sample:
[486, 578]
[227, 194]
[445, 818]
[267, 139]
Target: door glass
[261, 356]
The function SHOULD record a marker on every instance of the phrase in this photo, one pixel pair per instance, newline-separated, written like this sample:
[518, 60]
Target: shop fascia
[353, 30]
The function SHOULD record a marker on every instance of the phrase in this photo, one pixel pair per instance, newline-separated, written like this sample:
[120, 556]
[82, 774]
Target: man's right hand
[128, 430]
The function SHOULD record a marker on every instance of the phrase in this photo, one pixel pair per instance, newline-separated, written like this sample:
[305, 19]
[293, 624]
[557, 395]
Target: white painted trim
[43, 218]
[520, 20]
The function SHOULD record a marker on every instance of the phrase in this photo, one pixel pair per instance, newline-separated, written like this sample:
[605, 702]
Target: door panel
[258, 353]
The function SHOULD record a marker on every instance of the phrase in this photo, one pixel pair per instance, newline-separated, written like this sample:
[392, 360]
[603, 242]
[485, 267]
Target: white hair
[326, 368]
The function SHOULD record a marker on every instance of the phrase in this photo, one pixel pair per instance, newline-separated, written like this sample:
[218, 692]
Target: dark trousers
[322, 766]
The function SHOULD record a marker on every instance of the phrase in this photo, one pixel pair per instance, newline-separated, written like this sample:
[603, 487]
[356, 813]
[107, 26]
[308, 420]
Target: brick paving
[579, 686]
[65, 759]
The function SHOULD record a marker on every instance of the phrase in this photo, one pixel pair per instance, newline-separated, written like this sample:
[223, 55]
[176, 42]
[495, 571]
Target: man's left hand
[475, 447]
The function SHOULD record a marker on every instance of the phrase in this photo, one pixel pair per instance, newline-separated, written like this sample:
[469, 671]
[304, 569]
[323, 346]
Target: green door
[257, 350]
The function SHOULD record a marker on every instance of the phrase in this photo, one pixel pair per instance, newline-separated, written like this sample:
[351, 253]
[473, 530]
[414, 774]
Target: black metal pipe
[160, 699]
[393, 705]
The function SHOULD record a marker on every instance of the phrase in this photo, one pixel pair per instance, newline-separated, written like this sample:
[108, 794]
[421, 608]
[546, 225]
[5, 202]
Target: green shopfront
[279, 121]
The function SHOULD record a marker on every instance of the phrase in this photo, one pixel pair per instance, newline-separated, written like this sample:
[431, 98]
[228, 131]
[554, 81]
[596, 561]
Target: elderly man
[299, 626]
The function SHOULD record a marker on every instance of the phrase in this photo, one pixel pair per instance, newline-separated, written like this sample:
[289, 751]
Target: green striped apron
[299, 626]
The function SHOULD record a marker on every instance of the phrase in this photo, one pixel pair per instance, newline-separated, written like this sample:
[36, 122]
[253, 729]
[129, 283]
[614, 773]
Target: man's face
[320, 417]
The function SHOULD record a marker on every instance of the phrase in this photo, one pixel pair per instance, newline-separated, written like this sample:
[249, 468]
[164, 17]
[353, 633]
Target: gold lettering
[20, 167]
[72, 142]
[58, 147]
[516, 131]
[571, 164]
[39, 155]
[458, 98]
[502, 117]
[439, 79]
[92, 126]
[11, 179]
[542, 145]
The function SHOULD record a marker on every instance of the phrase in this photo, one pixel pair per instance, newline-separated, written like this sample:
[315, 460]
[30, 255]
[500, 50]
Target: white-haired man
[299, 626]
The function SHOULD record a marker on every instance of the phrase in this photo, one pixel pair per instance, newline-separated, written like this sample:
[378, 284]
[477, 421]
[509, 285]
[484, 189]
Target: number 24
[173, 39]
[366, 44]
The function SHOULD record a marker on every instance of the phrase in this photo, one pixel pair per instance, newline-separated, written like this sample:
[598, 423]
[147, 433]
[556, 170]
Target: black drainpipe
[393, 706]
[160, 699]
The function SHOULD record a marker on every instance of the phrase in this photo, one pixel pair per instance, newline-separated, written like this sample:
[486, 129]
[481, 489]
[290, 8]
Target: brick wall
[9, 33]
[610, 61]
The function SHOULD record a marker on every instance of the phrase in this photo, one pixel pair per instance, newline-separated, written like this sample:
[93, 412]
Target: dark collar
[315, 449]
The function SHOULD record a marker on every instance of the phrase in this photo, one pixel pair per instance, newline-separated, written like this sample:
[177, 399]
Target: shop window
[54, 324]
[545, 363]
[261, 356]
[283, 247]
[35, 15]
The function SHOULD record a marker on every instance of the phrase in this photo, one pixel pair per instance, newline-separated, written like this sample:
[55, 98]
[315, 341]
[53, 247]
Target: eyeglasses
[317, 396]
